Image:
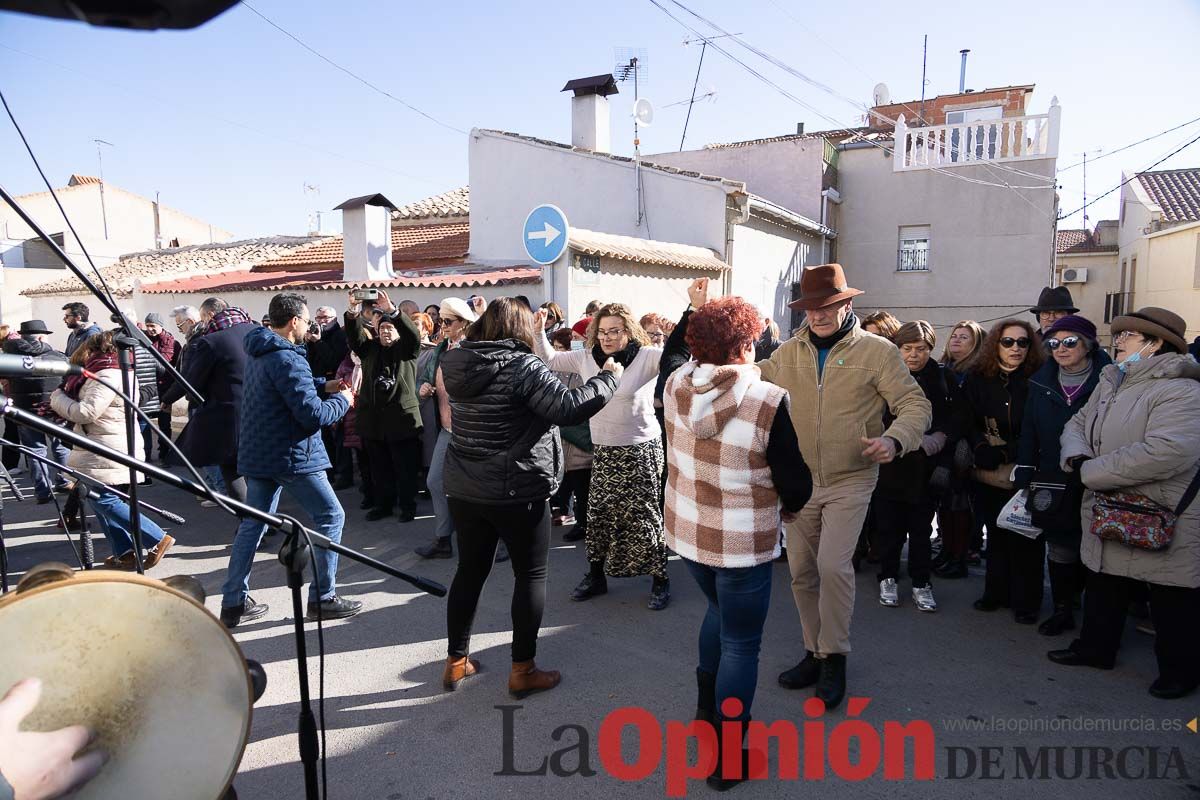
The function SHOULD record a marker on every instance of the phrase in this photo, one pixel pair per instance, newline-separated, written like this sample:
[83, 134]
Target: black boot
[831, 683]
[438, 548]
[593, 584]
[1062, 588]
[953, 570]
[706, 696]
[716, 781]
[802, 675]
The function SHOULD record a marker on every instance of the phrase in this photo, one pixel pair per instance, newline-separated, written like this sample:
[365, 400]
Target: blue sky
[230, 121]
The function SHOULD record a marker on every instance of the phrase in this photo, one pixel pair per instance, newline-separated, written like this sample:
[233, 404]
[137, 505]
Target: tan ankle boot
[526, 679]
[456, 670]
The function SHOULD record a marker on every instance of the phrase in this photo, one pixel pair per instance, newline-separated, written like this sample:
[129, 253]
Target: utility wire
[1177, 150]
[1135, 144]
[354, 75]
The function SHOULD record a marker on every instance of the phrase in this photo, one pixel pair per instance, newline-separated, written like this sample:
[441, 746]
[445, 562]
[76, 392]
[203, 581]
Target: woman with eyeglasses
[1139, 434]
[555, 318]
[990, 412]
[653, 325]
[625, 535]
[1056, 393]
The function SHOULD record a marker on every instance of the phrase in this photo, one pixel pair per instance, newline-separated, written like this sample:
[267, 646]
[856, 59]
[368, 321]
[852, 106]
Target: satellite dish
[882, 95]
[643, 112]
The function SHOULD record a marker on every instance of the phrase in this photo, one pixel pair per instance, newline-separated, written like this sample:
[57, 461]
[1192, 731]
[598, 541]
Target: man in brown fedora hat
[841, 380]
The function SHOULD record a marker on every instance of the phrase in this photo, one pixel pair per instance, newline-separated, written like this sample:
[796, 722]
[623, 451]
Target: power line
[1135, 144]
[354, 75]
[1177, 150]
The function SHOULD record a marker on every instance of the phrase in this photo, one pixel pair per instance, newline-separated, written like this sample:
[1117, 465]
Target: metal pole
[924, 64]
[125, 359]
[695, 83]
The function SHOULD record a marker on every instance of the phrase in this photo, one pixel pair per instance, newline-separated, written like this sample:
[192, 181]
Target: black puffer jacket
[28, 392]
[504, 404]
[147, 370]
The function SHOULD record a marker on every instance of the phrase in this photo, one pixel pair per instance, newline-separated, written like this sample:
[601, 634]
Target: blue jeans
[113, 515]
[44, 478]
[437, 487]
[738, 598]
[314, 494]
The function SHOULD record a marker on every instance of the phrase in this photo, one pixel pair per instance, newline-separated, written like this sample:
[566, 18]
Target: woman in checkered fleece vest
[734, 461]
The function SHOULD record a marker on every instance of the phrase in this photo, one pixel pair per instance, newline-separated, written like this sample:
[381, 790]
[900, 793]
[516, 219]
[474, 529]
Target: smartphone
[366, 294]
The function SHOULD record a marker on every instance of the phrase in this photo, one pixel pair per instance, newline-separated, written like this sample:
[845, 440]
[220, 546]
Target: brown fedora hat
[823, 286]
[1157, 322]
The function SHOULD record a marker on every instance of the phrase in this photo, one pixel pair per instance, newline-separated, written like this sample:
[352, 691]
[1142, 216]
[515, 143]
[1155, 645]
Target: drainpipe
[740, 216]
[827, 196]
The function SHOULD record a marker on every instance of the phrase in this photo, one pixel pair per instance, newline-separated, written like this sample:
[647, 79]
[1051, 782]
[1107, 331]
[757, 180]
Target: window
[913, 255]
[977, 136]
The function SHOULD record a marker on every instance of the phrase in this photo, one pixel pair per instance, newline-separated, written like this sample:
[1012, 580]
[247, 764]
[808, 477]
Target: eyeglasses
[1123, 335]
[656, 337]
[1069, 342]
[611, 333]
[1022, 343]
[448, 319]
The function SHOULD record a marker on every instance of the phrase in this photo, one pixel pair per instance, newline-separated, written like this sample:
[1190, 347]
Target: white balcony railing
[979, 141]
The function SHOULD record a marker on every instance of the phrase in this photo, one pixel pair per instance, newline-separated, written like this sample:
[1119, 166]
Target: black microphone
[258, 678]
[29, 367]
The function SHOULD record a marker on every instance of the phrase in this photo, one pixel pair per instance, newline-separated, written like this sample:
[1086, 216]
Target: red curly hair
[722, 329]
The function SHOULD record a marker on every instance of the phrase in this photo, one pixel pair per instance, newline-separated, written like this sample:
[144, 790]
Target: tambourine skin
[152, 671]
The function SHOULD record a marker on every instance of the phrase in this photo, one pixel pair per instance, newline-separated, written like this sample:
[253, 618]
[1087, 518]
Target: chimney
[962, 72]
[799, 128]
[367, 238]
[590, 127]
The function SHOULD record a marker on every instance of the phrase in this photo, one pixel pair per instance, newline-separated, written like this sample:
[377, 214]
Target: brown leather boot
[526, 679]
[458, 669]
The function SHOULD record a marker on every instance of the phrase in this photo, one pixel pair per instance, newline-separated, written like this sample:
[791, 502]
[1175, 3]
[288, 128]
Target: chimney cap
[603, 85]
[366, 200]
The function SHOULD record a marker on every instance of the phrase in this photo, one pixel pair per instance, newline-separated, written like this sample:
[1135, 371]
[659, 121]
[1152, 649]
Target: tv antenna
[314, 217]
[704, 40]
[631, 65]
[100, 161]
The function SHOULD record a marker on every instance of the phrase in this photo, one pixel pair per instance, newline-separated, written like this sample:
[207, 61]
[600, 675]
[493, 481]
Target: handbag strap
[1189, 495]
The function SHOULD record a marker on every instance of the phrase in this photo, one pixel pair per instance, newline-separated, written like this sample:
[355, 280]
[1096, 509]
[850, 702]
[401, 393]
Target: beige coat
[1142, 435]
[98, 414]
[863, 376]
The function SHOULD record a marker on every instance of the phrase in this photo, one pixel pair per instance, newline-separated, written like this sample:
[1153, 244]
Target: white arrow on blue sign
[545, 234]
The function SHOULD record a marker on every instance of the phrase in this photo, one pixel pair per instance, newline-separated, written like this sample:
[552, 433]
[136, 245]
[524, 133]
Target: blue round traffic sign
[545, 234]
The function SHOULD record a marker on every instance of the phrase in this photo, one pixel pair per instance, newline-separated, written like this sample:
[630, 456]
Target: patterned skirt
[625, 524]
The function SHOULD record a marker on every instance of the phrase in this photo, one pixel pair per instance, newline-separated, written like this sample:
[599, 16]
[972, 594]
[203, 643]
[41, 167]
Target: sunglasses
[1022, 343]
[1069, 342]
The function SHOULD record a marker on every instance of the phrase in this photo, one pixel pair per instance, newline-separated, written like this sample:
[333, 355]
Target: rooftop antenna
[631, 64]
[703, 47]
[100, 160]
[924, 80]
[312, 190]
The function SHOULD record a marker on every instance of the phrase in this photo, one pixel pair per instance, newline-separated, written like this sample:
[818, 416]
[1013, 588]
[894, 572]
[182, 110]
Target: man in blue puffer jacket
[279, 446]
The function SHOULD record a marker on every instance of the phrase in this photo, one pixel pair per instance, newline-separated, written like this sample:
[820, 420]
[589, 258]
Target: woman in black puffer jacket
[503, 464]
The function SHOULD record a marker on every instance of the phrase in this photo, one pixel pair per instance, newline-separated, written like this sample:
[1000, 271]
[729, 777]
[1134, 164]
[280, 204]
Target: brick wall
[1013, 100]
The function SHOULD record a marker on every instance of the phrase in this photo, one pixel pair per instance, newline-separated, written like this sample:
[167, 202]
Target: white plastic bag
[1015, 517]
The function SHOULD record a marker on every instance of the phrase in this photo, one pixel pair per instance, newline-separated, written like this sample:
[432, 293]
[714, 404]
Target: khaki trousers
[820, 544]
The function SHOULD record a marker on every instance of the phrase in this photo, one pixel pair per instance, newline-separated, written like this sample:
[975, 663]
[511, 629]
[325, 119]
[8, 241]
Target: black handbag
[1054, 501]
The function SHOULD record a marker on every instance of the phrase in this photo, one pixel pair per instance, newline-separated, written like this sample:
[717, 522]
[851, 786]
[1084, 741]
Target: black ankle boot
[716, 780]
[1061, 620]
[802, 675]
[706, 696]
[831, 684]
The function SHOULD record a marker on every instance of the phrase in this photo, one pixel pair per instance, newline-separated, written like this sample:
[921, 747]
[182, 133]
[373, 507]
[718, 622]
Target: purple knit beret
[1073, 323]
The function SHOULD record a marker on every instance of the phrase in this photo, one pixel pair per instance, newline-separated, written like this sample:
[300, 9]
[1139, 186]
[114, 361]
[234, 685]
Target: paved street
[393, 734]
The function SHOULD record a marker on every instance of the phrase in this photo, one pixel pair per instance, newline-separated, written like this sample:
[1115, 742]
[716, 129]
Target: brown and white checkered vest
[722, 508]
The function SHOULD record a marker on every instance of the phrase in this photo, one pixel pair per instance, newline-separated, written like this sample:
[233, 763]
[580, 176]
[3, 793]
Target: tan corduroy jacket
[863, 376]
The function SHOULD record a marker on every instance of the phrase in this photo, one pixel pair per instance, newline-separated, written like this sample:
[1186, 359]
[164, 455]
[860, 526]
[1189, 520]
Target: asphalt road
[978, 680]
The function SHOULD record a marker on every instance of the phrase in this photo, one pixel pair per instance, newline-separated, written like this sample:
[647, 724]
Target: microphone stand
[292, 555]
[133, 337]
[3, 547]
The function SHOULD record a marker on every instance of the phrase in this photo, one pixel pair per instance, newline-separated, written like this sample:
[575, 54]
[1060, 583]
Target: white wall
[767, 259]
[991, 248]
[644, 288]
[510, 176]
[1103, 278]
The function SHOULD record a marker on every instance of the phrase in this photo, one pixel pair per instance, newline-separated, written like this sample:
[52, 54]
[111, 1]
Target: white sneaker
[888, 594]
[207, 504]
[923, 598]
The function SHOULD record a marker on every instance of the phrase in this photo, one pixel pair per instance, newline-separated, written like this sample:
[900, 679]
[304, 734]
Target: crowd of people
[706, 436]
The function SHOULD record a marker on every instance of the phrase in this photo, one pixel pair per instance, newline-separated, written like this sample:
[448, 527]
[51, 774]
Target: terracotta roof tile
[454, 203]
[78, 180]
[457, 276]
[418, 243]
[203, 259]
[645, 251]
[1176, 191]
[1070, 241]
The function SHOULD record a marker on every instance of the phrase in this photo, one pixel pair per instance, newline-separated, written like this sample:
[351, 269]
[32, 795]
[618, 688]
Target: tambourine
[143, 664]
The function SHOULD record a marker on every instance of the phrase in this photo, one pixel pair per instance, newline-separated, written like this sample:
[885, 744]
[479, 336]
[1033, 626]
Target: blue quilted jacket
[282, 415]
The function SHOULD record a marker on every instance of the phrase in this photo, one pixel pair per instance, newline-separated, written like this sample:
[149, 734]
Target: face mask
[1131, 360]
[576, 344]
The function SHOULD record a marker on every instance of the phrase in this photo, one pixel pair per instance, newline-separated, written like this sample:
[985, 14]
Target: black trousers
[525, 530]
[896, 522]
[394, 469]
[1174, 610]
[576, 482]
[1015, 563]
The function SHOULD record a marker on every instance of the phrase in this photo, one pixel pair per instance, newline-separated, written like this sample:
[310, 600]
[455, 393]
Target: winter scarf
[623, 357]
[223, 320]
[74, 384]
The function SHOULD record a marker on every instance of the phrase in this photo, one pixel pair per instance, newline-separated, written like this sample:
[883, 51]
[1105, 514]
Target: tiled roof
[454, 203]
[791, 137]
[737, 185]
[178, 262]
[418, 243]
[77, 180]
[459, 276]
[1070, 241]
[645, 251]
[1176, 191]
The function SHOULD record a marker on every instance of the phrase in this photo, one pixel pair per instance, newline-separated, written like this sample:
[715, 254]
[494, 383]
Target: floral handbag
[1136, 521]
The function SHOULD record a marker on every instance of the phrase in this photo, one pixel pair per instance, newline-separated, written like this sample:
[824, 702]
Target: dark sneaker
[590, 586]
[660, 595]
[248, 611]
[802, 675]
[408, 516]
[334, 608]
[438, 548]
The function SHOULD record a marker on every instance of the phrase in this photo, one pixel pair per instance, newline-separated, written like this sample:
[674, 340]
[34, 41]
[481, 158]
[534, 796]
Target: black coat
[994, 405]
[504, 404]
[171, 391]
[907, 478]
[215, 365]
[327, 353]
[28, 392]
[387, 408]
